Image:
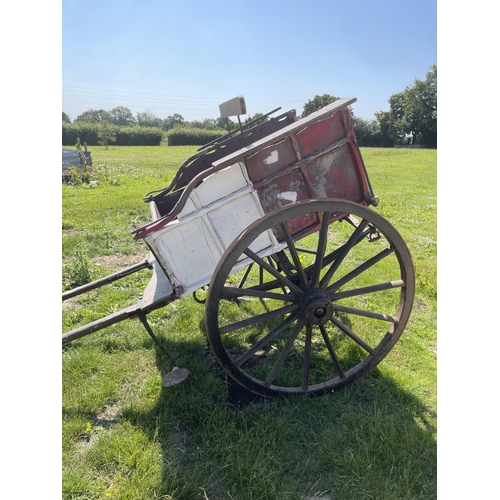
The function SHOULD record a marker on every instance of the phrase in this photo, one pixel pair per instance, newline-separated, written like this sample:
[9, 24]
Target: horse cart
[305, 288]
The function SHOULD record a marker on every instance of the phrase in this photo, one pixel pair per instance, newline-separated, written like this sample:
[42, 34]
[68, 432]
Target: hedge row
[125, 136]
[191, 136]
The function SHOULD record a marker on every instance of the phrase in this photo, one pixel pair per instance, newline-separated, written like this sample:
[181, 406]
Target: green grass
[124, 436]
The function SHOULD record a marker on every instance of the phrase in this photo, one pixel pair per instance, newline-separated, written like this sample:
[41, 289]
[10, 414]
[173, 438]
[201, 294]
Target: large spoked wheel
[318, 314]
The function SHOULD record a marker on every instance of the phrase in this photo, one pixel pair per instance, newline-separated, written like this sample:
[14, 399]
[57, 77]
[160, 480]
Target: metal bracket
[371, 233]
[177, 375]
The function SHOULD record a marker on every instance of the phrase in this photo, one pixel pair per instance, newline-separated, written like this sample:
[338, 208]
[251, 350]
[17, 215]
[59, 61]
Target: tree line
[411, 118]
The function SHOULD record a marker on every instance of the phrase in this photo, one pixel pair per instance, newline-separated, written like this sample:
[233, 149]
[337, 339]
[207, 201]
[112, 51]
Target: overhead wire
[204, 103]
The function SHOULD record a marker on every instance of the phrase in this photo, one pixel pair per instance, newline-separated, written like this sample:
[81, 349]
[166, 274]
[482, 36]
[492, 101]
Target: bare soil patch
[118, 261]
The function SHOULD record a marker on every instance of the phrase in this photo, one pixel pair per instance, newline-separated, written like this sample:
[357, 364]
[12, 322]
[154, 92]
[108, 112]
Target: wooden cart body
[313, 158]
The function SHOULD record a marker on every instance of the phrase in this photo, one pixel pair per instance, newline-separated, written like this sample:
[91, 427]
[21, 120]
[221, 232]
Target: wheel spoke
[345, 250]
[366, 290]
[271, 264]
[307, 358]
[328, 259]
[295, 256]
[360, 269]
[257, 319]
[305, 250]
[245, 276]
[284, 352]
[366, 314]
[318, 263]
[271, 270]
[265, 287]
[332, 352]
[265, 340]
[229, 292]
[351, 334]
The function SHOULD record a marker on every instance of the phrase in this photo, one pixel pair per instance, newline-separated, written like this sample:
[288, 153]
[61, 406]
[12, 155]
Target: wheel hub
[316, 307]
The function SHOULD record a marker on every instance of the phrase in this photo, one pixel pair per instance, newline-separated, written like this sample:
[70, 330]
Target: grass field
[124, 436]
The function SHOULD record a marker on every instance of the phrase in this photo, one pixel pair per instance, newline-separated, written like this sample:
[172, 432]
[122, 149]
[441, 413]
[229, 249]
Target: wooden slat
[159, 288]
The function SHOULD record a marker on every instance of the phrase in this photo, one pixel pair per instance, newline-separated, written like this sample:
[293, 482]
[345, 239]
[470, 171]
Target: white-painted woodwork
[158, 288]
[217, 211]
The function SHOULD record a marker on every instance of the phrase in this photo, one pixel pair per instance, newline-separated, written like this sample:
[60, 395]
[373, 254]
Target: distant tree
[121, 116]
[367, 132]
[420, 114]
[413, 112]
[317, 102]
[195, 124]
[225, 124]
[93, 115]
[65, 118]
[209, 124]
[388, 132]
[172, 121]
[106, 134]
[392, 123]
[147, 119]
[256, 116]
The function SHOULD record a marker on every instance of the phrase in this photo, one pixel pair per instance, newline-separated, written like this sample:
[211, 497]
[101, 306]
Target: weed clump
[79, 271]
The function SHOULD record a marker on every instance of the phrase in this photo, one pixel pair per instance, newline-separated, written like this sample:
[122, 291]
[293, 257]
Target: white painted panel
[190, 247]
[159, 287]
[219, 185]
[189, 207]
[189, 251]
[230, 219]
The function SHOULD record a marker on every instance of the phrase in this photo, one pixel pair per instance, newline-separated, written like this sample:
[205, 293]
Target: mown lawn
[124, 436]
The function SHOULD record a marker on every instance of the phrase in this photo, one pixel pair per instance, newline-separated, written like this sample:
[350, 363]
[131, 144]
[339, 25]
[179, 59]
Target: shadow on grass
[372, 439]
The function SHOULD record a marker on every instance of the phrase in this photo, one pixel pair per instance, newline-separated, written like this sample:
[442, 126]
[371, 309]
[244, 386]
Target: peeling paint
[288, 195]
[272, 158]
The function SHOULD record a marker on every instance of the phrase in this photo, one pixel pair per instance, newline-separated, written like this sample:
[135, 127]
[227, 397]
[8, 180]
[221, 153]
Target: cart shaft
[107, 279]
[157, 294]
[127, 313]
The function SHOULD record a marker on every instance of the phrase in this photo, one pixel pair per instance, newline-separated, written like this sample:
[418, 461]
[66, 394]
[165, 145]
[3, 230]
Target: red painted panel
[283, 190]
[320, 134]
[289, 187]
[335, 175]
[270, 159]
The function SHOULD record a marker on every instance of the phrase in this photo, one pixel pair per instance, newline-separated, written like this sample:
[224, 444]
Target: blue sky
[188, 56]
